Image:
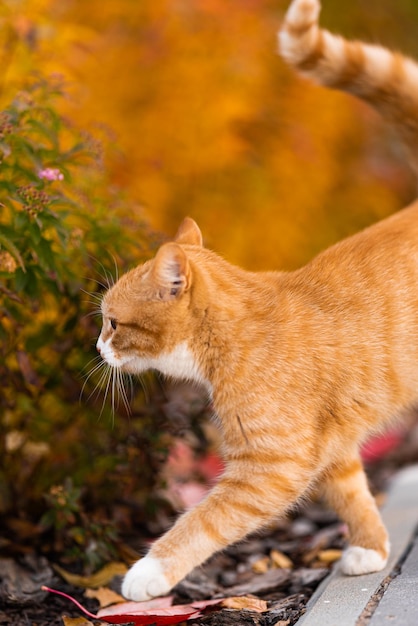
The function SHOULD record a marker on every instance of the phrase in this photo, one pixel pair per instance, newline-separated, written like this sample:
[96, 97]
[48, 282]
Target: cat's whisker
[101, 383]
[95, 311]
[116, 269]
[107, 276]
[94, 303]
[93, 294]
[94, 300]
[109, 377]
[160, 381]
[98, 360]
[131, 388]
[122, 391]
[100, 283]
[144, 388]
[95, 369]
[111, 381]
[108, 282]
[113, 390]
[99, 386]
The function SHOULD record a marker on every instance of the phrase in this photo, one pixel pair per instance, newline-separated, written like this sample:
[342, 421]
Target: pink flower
[51, 173]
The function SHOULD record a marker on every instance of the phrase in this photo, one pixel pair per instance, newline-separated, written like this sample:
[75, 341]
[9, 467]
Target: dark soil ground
[254, 568]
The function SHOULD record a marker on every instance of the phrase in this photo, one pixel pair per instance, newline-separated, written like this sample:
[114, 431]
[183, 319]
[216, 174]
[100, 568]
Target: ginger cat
[301, 366]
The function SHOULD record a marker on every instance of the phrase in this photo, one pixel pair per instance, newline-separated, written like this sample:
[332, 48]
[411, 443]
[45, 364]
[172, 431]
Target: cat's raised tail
[385, 79]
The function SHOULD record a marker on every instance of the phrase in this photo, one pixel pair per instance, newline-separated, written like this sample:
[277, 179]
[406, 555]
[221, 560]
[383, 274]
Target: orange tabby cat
[301, 366]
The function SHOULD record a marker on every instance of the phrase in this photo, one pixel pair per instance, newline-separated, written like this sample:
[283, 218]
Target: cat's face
[145, 313]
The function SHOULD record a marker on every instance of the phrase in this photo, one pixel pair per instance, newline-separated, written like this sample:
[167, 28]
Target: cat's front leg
[234, 508]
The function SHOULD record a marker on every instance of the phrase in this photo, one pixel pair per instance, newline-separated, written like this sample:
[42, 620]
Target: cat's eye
[113, 323]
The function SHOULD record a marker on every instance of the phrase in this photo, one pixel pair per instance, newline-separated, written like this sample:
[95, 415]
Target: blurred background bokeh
[146, 111]
[207, 121]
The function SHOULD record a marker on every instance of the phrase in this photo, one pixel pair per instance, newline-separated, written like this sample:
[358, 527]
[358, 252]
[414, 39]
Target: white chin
[125, 363]
[130, 367]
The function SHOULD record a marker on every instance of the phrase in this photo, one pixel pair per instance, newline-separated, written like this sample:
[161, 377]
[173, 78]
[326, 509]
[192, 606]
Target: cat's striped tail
[385, 79]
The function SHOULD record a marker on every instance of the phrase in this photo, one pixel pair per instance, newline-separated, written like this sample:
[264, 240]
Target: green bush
[62, 228]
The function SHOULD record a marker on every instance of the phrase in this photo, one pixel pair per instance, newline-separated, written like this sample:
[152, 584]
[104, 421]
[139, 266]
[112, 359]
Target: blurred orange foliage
[206, 120]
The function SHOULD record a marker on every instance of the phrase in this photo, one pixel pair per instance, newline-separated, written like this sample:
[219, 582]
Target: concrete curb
[399, 605]
[340, 600]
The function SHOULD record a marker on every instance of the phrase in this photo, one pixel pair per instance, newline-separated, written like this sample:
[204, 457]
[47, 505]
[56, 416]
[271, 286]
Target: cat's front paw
[357, 560]
[145, 580]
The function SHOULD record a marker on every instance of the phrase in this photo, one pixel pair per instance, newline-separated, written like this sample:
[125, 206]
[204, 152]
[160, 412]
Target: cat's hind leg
[346, 489]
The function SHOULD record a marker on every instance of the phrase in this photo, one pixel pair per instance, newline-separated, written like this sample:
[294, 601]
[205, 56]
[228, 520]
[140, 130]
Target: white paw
[357, 560]
[145, 580]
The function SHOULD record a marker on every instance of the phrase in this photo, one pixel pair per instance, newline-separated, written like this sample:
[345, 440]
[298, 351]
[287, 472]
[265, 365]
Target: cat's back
[386, 251]
[360, 292]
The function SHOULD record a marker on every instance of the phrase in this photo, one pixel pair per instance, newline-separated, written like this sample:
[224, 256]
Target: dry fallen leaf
[329, 556]
[309, 557]
[280, 560]
[245, 602]
[76, 621]
[99, 579]
[104, 596]
[261, 566]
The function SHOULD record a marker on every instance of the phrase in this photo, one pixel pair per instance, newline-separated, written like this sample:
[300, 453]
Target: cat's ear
[189, 233]
[171, 271]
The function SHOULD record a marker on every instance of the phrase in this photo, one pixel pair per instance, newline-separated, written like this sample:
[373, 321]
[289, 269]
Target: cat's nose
[100, 345]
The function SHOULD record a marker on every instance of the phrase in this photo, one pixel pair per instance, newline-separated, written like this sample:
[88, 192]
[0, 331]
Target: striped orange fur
[301, 366]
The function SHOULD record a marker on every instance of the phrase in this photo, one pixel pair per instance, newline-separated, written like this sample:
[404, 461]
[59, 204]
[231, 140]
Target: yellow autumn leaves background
[202, 117]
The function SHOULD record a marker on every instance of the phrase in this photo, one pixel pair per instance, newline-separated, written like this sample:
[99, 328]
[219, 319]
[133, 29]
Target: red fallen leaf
[140, 616]
[163, 602]
[166, 603]
[160, 617]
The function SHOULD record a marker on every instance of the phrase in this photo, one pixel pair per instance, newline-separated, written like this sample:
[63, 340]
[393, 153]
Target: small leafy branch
[61, 224]
[38, 155]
